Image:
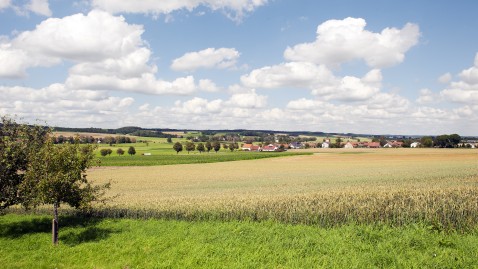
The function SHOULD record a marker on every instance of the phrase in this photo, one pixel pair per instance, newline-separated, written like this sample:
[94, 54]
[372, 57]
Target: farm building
[270, 147]
[246, 147]
[250, 147]
[373, 145]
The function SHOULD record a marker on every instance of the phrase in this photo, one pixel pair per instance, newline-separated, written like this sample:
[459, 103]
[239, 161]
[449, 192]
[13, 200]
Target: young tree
[120, 151]
[216, 146]
[208, 146]
[200, 147]
[169, 139]
[190, 146]
[178, 147]
[56, 175]
[231, 147]
[131, 151]
[17, 142]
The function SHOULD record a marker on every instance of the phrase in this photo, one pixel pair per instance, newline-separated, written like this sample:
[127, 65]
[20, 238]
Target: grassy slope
[107, 243]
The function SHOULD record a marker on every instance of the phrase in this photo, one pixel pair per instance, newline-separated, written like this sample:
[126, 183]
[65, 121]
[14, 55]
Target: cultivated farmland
[438, 187]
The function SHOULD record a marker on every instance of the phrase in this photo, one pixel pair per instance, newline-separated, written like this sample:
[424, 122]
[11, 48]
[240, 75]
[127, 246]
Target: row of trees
[203, 147]
[93, 140]
[120, 151]
[441, 141]
[34, 171]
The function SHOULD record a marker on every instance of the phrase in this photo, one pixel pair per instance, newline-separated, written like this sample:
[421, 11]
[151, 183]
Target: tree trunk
[54, 227]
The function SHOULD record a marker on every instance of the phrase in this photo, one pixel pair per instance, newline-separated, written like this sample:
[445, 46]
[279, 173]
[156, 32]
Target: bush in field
[200, 147]
[120, 151]
[216, 146]
[178, 147]
[131, 151]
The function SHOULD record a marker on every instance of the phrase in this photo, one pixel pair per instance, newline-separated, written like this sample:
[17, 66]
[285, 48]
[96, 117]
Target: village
[349, 145]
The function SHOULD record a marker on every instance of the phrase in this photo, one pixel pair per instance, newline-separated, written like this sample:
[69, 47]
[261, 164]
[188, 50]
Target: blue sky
[382, 67]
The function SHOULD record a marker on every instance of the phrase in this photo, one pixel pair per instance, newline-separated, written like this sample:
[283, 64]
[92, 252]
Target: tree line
[82, 139]
[204, 147]
[120, 151]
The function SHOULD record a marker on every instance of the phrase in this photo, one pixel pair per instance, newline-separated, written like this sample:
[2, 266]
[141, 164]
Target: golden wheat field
[332, 186]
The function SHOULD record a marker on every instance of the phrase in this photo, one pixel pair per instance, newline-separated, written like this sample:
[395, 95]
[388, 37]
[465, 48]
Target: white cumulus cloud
[248, 100]
[4, 4]
[316, 78]
[146, 83]
[59, 105]
[427, 97]
[445, 78]
[292, 74]
[40, 7]
[208, 85]
[340, 41]
[234, 9]
[208, 58]
[466, 90]
[95, 37]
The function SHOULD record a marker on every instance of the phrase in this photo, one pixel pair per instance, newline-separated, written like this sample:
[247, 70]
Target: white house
[349, 145]
[415, 145]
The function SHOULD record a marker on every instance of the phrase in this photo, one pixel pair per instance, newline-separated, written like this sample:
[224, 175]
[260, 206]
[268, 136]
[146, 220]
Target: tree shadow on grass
[86, 229]
[17, 229]
[88, 234]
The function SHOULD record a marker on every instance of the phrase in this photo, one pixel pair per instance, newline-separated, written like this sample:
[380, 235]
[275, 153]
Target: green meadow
[127, 243]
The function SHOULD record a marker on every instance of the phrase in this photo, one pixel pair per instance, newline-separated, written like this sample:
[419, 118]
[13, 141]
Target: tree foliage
[104, 152]
[178, 147]
[208, 146]
[201, 148]
[216, 146]
[190, 146]
[57, 174]
[447, 141]
[131, 151]
[34, 171]
[17, 143]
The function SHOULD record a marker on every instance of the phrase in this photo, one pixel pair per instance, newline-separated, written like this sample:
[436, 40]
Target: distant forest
[159, 132]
